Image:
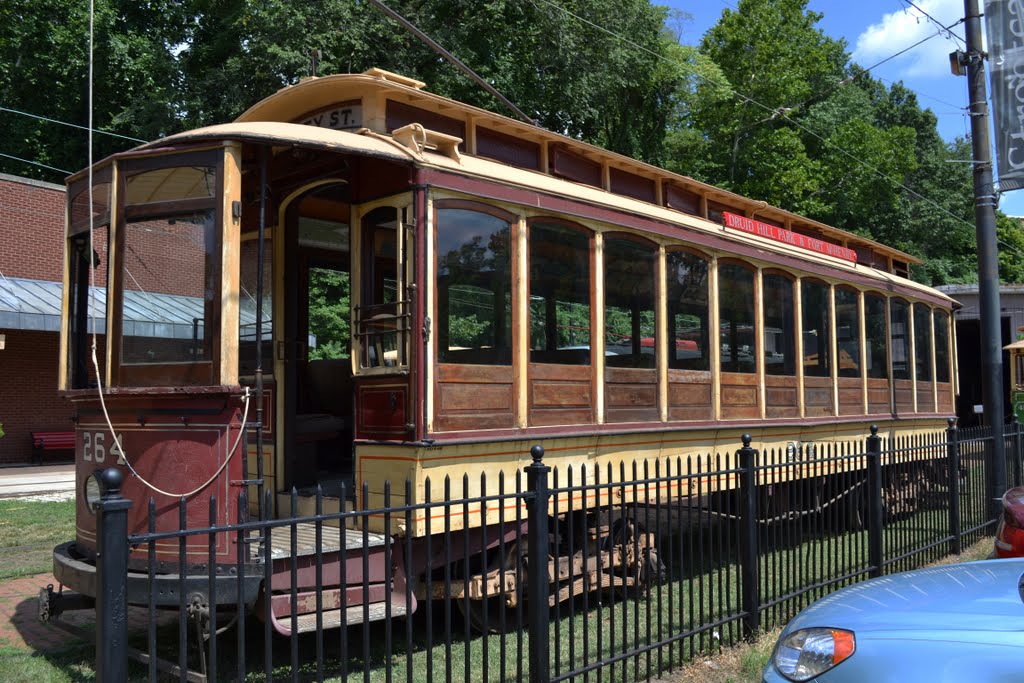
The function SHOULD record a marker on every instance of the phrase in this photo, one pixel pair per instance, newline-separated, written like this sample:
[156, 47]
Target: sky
[876, 30]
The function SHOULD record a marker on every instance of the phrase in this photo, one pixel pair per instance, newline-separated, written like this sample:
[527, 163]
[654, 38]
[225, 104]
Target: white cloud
[903, 28]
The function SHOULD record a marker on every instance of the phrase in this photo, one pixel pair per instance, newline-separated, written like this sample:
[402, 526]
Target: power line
[70, 125]
[35, 163]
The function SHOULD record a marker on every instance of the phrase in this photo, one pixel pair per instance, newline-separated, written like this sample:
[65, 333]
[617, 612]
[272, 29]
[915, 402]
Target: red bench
[51, 441]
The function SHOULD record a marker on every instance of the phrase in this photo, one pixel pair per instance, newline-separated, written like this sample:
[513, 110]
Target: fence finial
[952, 422]
[874, 430]
[111, 480]
[537, 453]
[746, 440]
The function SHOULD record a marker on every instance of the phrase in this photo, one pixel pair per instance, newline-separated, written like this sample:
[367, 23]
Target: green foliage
[329, 313]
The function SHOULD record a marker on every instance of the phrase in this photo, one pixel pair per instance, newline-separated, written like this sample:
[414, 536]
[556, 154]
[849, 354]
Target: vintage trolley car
[360, 281]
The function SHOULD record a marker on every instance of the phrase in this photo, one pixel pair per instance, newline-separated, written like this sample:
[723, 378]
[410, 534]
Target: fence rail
[590, 574]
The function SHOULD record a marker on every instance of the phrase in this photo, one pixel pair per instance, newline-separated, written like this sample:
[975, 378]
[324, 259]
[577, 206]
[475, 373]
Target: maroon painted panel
[507, 149]
[382, 409]
[175, 444]
[574, 167]
[399, 115]
[632, 185]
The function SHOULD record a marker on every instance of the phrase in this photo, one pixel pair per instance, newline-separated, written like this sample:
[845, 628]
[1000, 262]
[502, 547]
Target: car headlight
[811, 652]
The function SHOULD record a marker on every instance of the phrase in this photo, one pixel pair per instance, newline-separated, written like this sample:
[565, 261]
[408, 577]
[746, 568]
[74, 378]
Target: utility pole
[988, 263]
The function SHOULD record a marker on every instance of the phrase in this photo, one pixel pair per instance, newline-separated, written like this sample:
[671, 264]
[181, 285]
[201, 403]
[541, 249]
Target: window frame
[194, 373]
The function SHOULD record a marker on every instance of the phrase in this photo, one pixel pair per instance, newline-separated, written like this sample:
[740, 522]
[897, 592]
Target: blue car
[958, 622]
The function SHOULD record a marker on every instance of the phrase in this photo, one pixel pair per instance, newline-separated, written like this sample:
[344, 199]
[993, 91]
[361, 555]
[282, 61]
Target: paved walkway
[47, 482]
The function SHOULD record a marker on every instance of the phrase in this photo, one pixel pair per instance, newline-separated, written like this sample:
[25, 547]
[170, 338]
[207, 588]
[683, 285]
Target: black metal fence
[612, 573]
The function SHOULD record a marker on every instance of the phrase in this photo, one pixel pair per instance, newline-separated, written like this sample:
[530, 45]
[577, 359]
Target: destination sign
[772, 232]
[345, 117]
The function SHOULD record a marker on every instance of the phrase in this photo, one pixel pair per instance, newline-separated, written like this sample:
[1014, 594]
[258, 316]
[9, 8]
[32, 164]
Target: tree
[44, 66]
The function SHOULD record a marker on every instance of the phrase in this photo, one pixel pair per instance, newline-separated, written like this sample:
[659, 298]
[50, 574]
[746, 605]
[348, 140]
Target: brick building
[31, 252]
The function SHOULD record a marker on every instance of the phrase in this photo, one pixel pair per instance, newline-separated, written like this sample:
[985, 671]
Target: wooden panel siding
[904, 396]
[851, 396]
[689, 395]
[632, 185]
[945, 398]
[560, 394]
[878, 397]
[781, 396]
[925, 398]
[740, 396]
[631, 394]
[507, 149]
[817, 396]
[474, 397]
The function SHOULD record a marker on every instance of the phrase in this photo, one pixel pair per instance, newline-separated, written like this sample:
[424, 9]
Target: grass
[29, 531]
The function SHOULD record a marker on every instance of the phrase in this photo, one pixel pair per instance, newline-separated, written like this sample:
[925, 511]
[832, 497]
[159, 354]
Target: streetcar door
[316, 347]
[383, 321]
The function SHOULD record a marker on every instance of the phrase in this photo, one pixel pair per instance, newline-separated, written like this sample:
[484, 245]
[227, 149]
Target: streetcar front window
[166, 287]
[87, 261]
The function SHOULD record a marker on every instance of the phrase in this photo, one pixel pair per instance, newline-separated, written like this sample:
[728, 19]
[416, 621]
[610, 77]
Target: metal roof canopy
[36, 305]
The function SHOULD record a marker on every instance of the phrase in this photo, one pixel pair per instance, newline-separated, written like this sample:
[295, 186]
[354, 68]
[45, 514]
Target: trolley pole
[988, 264]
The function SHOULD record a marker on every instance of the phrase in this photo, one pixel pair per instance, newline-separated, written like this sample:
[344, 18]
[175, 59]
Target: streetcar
[359, 282]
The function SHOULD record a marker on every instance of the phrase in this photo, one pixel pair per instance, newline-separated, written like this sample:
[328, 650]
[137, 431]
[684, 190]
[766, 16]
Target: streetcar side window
[687, 294]
[474, 287]
[779, 325]
[848, 332]
[941, 346]
[736, 318]
[922, 343]
[629, 320]
[875, 334]
[900, 338]
[814, 304]
[560, 325]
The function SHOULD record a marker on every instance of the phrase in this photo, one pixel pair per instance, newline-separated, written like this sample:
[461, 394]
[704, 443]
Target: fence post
[112, 579]
[748, 539]
[953, 458]
[875, 518]
[537, 578]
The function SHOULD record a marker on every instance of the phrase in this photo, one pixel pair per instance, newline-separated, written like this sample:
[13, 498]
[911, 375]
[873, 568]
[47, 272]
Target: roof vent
[395, 78]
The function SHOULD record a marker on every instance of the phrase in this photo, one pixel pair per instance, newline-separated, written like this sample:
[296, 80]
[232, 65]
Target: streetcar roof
[365, 142]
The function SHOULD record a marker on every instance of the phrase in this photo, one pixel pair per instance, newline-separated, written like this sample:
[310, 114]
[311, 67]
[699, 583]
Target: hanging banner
[1004, 24]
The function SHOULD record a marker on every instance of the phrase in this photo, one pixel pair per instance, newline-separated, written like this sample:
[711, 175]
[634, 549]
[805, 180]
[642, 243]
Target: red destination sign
[772, 232]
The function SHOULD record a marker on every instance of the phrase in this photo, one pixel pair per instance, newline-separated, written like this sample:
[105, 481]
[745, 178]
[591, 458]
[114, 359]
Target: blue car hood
[974, 596]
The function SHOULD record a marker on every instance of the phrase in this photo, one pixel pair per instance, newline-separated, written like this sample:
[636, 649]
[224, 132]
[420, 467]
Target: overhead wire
[35, 163]
[70, 125]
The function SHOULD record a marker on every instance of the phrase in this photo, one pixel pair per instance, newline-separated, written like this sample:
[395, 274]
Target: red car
[1010, 534]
